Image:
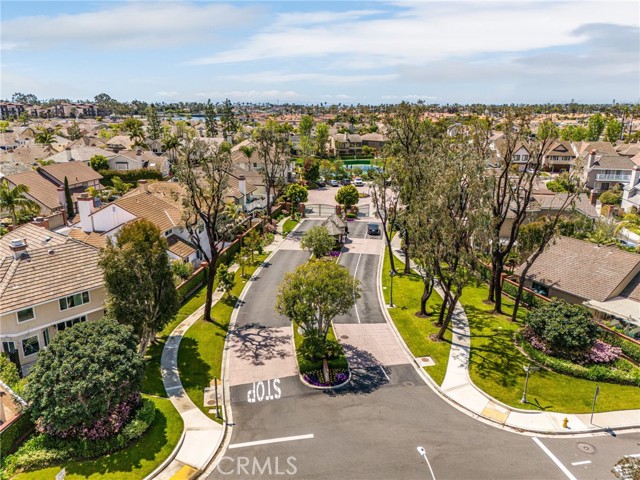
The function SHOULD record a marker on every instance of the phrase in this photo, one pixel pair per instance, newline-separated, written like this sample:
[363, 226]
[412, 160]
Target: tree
[9, 372]
[134, 128]
[311, 170]
[306, 125]
[203, 170]
[154, 128]
[272, 143]
[318, 241]
[13, 199]
[99, 162]
[119, 187]
[296, 194]
[595, 127]
[28, 98]
[226, 279]
[68, 199]
[245, 255]
[322, 138]
[86, 380]
[73, 132]
[171, 144]
[314, 294]
[247, 151]
[348, 196]
[613, 130]
[139, 257]
[547, 129]
[210, 120]
[228, 119]
[253, 242]
[611, 197]
[386, 198]
[574, 133]
[566, 328]
[46, 138]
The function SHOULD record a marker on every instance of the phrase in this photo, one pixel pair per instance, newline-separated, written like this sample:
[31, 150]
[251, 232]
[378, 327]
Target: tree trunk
[492, 285]
[447, 321]
[211, 275]
[514, 316]
[497, 286]
[325, 371]
[407, 260]
[391, 255]
[426, 294]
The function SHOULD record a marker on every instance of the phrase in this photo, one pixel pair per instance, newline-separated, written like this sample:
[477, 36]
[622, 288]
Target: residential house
[79, 154]
[605, 278]
[521, 155]
[120, 142]
[49, 197]
[603, 171]
[347, 144]
[132, 160]
[374, 140]
[48, 282]
[631, 192]
[10, 109]
[256, 164]
[79, 176]
[559, 157]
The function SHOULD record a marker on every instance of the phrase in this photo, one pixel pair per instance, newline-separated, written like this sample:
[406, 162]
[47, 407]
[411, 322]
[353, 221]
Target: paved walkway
[458, 387]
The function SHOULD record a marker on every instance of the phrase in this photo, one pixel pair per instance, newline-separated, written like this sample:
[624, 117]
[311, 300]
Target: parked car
[346, 181]
[358, 182]
[321, 182]
[373, 229]
[334, 183]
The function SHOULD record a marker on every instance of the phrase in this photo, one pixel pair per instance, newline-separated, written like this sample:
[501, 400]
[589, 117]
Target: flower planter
[311, 379]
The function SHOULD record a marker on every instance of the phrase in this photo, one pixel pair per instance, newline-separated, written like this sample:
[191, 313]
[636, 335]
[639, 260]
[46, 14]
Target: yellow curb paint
[499, 415]
[185, 473]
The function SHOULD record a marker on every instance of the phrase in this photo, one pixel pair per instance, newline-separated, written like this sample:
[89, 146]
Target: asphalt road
[371, 429]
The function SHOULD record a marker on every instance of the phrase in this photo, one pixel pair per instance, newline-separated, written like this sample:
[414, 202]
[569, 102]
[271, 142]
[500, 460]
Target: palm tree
[247, 151]
[119, 186]
[13, 200]
[46, 138]
[170, 144]
[136, 134]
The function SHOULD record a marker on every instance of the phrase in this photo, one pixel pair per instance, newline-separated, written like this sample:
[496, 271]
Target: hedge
[11, 437]
[529, 299]
[596, 373]
[191, 284]
[630, 349]
[129, 176]
[42, 450]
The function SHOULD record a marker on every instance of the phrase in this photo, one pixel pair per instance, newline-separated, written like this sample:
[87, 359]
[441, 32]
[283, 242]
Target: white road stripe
[385, 373]
[355, 275]
[271, 440]
[584, 462]
[635, 455]
[555, 459]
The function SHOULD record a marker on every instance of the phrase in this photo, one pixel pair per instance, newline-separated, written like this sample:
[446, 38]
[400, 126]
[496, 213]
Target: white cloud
[253, 95]
[425, 32]
[126, 25]
[327, 78]
[167, 94]
[408, 97]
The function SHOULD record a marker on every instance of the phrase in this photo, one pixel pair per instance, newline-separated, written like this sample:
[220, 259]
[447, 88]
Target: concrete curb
[463, 408]
[169, 459]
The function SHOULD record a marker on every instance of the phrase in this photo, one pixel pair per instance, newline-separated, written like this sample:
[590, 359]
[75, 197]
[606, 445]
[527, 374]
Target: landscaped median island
[496, 366]
[200, 353]
[417, 332]
[310, 364]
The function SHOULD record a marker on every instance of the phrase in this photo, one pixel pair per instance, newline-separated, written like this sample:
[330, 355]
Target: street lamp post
[391, 274]
[527, 368]
[423, 453]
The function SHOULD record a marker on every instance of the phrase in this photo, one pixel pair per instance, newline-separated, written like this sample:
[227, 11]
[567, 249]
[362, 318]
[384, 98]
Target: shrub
[348, 196]
[611, 198]
[318, 241]
[181, 269]
[565, 328]
[11, 436]
[43, 450]
[129, 176]
[89, 373]
[629, 348]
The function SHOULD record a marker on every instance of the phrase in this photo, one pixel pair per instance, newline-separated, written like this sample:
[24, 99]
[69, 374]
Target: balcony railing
[608, 177]
[255, 204]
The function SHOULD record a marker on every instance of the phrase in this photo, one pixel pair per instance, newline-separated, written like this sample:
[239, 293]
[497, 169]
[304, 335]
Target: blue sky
[319, 51]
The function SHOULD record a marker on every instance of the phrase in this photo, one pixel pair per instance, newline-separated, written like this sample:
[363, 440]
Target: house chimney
[41, 222]
[18, 247]
[143, 185]
[67, 151]
[62, 197]
[592, 159]
[85, 209]
[242, 186]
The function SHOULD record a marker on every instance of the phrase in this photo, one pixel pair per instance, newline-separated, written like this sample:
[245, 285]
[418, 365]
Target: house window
[168, 232]
[255, 165]
[516, 158]
[8, 347]
[74, 300]
[540, 289]
[26, 314]
[45, 337]
[30, 346]
[70, 323]
[122, 166]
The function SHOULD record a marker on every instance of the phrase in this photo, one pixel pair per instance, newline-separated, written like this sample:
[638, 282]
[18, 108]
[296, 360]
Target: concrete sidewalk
[458, 388]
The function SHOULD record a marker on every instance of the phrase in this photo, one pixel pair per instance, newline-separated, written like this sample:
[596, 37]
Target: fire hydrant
[565, 423]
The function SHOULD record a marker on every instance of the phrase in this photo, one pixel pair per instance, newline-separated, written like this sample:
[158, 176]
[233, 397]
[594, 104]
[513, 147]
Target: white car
[358, 182]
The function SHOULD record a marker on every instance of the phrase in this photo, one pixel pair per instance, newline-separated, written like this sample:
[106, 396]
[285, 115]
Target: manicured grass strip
[305, 365]
[407, 290]
[496, 367]
[200, 353]
[133, 463]
[152, 382]
[288, 226]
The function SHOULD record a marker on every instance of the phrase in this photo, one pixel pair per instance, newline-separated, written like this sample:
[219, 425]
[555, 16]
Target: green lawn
[200, 353]
[152, 382]
[288, 226]
[496, 367]
[133, 463]
[416, 331]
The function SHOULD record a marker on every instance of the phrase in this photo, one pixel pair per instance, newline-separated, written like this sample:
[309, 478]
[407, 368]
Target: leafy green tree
[119, 186]
[603, 233]
[348, 196]
[566, 328]
[613, 130]
[547, 129]
[154, 128]
[86, 373]
[13, 199]
[244, 259]
[226, 279]
[28, 98]
[574, 133]
[322, 138]
[46, 138]
[171, 144]
[228, 119]
[9, 372]
[210, 119]
[68, 199]
[181, 270]
[23, 119]
[311, 170]
[306, 125]
[296, 194]
[318, 241]
[595, 127]
[4, 126]
[611, 197]
[139, 257]
[73, 132]
[253, 242]
[247, 151]
[99, 162]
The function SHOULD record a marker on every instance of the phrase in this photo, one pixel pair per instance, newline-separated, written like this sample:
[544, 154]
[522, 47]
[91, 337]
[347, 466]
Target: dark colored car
[346, 181]
[373, 229]
[321, 183]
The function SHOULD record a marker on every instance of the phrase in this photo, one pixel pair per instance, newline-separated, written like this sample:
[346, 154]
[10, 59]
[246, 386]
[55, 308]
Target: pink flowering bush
[600, 352]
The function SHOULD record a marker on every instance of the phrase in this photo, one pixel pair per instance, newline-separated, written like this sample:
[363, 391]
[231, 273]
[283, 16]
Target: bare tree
[203, 170]
[386, 198]
[272, 144]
